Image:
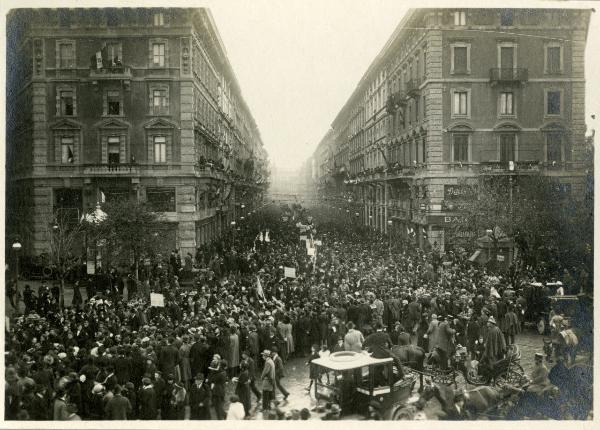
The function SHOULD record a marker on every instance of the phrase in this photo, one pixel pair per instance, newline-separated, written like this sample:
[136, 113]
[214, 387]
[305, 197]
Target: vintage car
[356, 380]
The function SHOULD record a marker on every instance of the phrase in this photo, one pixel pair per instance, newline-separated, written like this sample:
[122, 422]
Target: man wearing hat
[268, 380]
[495, 346]
[148, 401]
[378, 342]
[199, 399]
[540, 382]
[445, 341]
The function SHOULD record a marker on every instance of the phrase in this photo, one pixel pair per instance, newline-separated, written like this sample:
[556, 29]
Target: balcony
[115, 72]
[412, 87]
[508, 75]
[115, 169]
[498, 167]
[395, 101]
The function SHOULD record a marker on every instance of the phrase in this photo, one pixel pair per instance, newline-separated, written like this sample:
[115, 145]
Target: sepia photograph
[325, 211]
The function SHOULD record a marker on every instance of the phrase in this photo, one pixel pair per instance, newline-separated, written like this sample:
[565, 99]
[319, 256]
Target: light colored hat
[98, 388]
[266, 352]
[492, 320]
[433, 316]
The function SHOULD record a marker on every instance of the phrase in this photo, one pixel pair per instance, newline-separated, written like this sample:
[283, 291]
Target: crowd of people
[224, 339]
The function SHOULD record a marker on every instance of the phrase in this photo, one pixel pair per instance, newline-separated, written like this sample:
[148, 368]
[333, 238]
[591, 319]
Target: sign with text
[459, 192]
[91, 267]
[303, 237]
[157, 300]
[311, 251]
[289, 272]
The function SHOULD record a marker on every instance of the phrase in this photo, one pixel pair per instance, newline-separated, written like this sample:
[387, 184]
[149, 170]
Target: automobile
[355, 380]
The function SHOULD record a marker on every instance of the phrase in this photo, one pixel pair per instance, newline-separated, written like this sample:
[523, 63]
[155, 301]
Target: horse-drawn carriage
[354, 380]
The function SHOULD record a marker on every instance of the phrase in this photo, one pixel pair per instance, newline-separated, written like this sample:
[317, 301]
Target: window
[160, 149]
[461, 59]
[158, 55]
[113, 102]
[67, 150]
[66, 55]
[553, 105]
[113, 54]
[554, 147]
[506, 104]
[159, 101]
[67, 103]
[159, 19]
[553, 59]
[506, 18]
[460, 18]
[424, 149]
[461, 103]
[114, 150]
[507, 147]
[460, 150]
[161, 199]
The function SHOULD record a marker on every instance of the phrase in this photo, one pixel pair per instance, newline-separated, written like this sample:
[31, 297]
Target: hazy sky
[298, 62]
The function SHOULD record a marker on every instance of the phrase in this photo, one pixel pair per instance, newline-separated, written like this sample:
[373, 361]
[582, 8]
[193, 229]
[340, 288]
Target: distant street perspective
[432, 258]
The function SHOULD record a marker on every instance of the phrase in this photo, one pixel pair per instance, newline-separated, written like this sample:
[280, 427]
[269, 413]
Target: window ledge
[507, 116]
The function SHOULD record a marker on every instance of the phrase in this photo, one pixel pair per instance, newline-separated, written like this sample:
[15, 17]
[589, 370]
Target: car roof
[347, 362]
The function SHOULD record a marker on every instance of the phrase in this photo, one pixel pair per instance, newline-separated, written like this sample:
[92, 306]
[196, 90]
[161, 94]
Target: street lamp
[16, 246]
[389, 223]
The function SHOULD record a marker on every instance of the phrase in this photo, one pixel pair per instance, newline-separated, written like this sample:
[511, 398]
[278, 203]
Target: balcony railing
[114, 169]
[117, 71]
[508, 75]
[395, 101]
[412, 87]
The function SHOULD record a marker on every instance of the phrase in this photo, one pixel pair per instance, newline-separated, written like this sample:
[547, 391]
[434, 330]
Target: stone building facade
[126, 103]
[453, 95]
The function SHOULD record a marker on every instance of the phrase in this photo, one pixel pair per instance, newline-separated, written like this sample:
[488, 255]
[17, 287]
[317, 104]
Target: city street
[413, 201]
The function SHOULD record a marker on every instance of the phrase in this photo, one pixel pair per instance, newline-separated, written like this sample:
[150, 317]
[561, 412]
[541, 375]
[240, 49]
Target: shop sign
[458, 192]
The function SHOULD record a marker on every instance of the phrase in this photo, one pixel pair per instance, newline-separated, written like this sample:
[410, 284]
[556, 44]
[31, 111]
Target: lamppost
[16, 246]
[389, 223]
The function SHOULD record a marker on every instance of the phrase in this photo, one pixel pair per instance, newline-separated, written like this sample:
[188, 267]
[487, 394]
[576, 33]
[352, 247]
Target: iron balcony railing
[508, 75]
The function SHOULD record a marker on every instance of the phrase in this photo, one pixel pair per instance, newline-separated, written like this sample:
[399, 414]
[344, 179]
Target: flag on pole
[259, 288]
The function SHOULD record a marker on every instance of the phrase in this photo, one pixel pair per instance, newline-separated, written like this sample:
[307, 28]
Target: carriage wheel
[404, 413]
[541, 326]
[512, 377]
[477, 379]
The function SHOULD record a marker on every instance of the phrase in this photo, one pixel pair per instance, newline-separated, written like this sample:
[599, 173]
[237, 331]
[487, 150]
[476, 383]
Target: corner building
[126, 103]
[453, 95]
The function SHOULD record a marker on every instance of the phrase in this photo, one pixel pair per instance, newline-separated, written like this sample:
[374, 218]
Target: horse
[412, 357]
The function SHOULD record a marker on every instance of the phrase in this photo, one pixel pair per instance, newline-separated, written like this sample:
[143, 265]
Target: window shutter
[104, 149]
[150, 149]
[74, 101]
[58, 112]
[169, 151]
[150, 99]
[57, 149]
[123, 149]
[167, 100]
[76, 148]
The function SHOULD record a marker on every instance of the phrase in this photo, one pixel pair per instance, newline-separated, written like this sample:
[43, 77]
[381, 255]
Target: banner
[318, 243]
[303, 237]
[259, 288]
[91, 267]
[311, 251]
[289, 272]
[157, 300]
